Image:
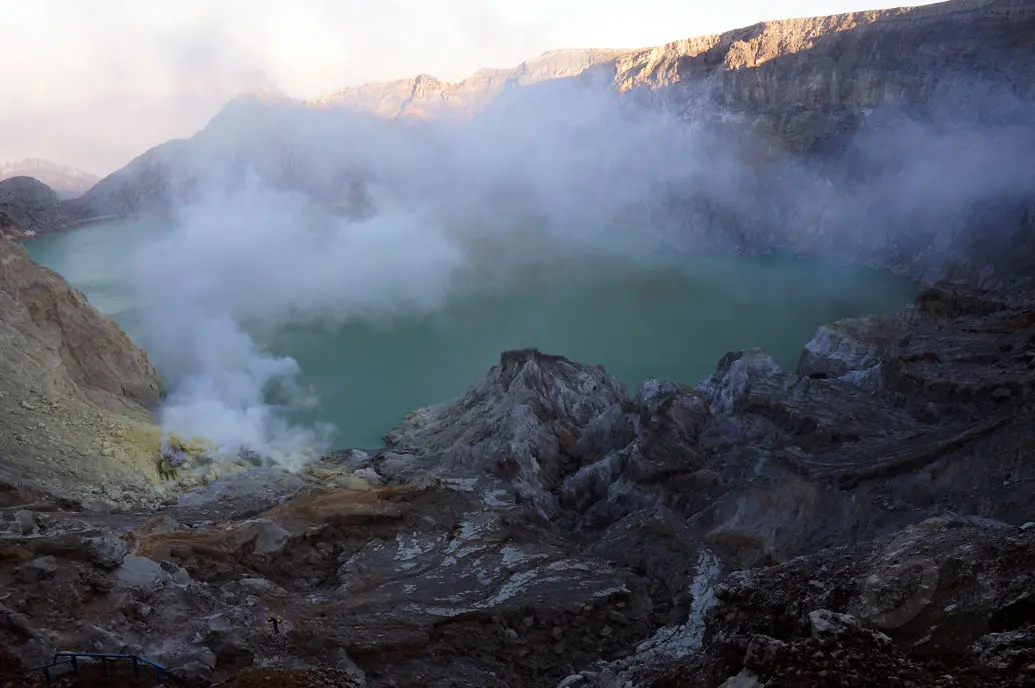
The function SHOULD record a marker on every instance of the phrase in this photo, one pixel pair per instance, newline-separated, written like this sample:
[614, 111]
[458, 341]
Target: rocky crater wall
[76, 396]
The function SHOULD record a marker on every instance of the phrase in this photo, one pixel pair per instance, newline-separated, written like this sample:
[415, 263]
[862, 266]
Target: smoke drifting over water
[256, 260]
[561, 177]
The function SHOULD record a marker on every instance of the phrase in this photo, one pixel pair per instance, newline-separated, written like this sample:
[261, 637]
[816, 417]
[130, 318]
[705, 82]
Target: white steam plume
[556, 175]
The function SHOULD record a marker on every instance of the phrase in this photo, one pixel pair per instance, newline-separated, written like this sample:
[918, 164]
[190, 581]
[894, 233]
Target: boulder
[38, 569]
[107, 552]
[140, 572]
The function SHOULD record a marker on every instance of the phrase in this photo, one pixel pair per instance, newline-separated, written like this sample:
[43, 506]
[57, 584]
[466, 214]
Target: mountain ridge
[635, 66]
[66, 181]
[796, 89]
[427, 95]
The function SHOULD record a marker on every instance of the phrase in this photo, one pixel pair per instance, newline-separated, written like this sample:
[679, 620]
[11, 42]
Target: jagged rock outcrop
[548, 528]
[30, 206]
[515, 431]
[65, 180]
[76, 396]
[811, 80]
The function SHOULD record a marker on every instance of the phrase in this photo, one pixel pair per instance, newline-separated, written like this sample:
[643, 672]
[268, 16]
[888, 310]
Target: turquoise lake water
[674, 323]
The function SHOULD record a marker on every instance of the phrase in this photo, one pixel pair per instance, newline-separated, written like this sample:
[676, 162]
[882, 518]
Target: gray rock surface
[513, 431]
[140, 572]
[896, 609]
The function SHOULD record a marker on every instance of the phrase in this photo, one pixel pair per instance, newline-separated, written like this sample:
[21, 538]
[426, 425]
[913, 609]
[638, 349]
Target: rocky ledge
[863, 520]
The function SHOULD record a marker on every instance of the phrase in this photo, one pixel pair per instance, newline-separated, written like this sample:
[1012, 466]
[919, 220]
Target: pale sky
[93, 83]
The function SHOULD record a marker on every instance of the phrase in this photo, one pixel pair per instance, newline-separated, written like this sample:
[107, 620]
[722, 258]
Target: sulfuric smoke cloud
[272, 232]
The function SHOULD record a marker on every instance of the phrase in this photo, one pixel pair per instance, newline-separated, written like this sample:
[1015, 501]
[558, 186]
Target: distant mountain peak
[264, 94]
[39, 164]
[426, 94]
[67, 181]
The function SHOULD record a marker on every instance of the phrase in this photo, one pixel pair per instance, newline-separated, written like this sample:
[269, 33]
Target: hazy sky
[94, 84]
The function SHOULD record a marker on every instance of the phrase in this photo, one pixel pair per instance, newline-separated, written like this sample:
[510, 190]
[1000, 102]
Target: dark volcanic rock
[545, 524]
[513, 435]
[946, 602]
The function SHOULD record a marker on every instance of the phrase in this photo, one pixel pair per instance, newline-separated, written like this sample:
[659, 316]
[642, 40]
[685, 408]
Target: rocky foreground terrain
[863, 520]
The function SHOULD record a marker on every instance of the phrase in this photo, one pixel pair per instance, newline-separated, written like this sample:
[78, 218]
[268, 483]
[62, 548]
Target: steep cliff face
[806, 79]
[795, 73]
[809, 80]
[76, 396]
[31, 206]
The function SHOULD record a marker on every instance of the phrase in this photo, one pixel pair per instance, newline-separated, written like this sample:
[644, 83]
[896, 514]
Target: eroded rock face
[76, 396]
[394, 578]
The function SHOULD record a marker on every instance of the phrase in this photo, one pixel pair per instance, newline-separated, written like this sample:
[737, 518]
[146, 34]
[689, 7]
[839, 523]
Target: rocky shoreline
[864, 520]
